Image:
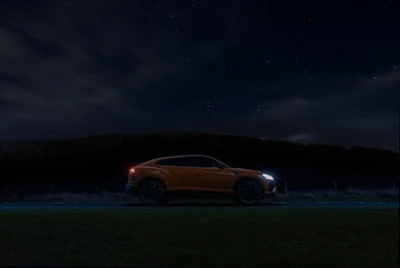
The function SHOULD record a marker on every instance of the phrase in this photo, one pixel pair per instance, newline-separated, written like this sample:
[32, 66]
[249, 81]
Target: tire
[152, 192]
[248, 192]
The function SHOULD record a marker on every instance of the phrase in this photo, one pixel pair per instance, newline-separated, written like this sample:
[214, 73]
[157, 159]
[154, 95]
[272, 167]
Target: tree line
[105, 159]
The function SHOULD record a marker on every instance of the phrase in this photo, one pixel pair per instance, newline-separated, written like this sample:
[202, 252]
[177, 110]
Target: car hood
[246, 171]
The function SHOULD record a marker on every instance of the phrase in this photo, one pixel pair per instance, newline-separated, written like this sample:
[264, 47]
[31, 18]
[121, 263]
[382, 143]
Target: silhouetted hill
[82, 163]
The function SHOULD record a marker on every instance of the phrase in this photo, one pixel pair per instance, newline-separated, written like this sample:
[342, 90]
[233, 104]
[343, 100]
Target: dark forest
[83, 164]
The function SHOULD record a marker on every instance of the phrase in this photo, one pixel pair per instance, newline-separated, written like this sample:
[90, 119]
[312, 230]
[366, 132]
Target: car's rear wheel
[248, 192]
[152, 192]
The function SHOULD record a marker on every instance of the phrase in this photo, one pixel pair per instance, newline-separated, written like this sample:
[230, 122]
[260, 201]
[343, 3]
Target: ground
[201, 237]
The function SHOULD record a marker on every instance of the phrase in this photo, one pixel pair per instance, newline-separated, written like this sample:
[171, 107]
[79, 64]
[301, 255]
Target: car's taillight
[132, 170]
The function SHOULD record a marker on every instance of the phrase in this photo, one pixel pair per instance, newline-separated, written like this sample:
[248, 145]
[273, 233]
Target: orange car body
[180, 173]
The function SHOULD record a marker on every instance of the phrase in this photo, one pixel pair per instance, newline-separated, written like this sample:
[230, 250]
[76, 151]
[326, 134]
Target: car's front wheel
[152, 192]
[248, 192]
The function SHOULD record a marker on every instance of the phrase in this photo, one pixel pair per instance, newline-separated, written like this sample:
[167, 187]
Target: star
[192, 59]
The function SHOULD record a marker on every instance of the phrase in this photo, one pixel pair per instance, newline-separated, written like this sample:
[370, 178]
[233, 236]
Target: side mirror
[220, 166]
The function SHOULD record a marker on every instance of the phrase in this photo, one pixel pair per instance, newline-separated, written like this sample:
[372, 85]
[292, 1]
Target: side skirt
[187, 194]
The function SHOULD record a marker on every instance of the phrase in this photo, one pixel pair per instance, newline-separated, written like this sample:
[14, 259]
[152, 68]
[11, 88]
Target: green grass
[201, 237]
[347, 195]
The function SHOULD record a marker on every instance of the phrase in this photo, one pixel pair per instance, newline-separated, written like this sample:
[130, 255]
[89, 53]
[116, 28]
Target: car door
[180, 169]
[209, 176]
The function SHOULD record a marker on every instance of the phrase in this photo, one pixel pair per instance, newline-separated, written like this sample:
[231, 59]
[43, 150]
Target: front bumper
[270, 194]
[131, 190]
[272, 189]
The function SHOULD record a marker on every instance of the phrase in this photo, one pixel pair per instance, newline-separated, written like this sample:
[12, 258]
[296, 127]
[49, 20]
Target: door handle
[198, 174]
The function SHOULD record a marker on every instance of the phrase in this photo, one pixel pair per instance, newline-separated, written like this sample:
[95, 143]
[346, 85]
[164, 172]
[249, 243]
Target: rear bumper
[131, 190]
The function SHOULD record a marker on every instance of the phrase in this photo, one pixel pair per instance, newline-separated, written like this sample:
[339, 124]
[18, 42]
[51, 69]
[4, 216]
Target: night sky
[312, 73]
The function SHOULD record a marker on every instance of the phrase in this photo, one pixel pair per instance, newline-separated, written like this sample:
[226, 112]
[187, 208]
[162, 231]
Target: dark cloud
[70, 64]
[354, 116]
[71, 68]
[61, 74]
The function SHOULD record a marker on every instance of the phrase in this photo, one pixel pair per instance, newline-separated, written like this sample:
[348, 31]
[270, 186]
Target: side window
[204, 162]
[179, 161]
[222, 165]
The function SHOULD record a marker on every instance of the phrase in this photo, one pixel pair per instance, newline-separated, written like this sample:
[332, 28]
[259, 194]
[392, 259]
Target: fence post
[335, 185]
[285, 187]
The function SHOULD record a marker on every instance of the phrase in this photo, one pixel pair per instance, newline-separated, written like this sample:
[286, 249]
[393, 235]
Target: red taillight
[132, 170]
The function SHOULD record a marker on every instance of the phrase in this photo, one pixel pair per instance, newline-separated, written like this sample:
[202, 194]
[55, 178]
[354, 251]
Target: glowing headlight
[268, 177]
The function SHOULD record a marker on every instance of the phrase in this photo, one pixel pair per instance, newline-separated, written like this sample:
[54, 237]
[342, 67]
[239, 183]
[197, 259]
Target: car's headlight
[267, 177]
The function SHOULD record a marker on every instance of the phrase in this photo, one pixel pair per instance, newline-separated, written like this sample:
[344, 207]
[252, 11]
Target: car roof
[153, 161]
[178, 156]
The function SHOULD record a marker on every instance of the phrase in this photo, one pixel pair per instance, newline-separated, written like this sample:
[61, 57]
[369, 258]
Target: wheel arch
[148, 178]
[243, 178]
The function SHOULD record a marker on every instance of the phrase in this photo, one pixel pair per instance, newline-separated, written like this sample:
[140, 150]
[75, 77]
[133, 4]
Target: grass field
[201, 237]
[347, 195]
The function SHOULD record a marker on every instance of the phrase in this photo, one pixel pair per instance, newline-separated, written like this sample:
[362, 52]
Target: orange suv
[157, 180]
